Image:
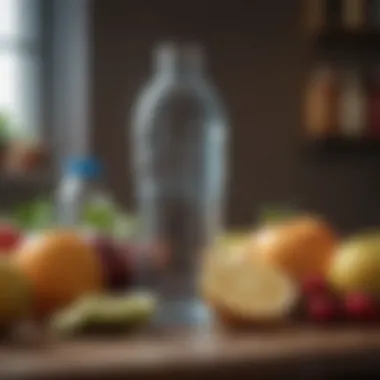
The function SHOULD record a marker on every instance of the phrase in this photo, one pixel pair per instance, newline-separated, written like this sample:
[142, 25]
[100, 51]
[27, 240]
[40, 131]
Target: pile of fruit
[284, 271]
[293, 270]
[69, 279]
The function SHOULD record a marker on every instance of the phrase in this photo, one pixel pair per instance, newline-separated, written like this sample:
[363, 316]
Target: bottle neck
[178, 62]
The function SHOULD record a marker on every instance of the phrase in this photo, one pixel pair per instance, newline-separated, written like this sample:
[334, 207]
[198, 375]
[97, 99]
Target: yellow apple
[356, 265]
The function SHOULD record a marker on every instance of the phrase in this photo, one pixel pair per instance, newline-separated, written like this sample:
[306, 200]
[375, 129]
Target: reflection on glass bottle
[353, 111]
[315, 14]
[322, 103]
[179, 135]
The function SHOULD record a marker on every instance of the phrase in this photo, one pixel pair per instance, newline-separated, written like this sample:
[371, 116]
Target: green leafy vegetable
[100, 214]
[34, 215]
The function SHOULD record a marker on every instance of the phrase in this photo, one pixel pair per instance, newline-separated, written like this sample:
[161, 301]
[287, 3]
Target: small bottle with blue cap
[79, 187]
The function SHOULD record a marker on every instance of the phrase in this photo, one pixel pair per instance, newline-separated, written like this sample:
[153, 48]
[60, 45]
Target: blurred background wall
[258, 55]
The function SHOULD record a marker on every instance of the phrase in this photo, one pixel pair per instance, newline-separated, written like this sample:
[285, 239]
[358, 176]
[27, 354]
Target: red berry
[315, 285]
[360, 307]
[9, 238]
[323, 309]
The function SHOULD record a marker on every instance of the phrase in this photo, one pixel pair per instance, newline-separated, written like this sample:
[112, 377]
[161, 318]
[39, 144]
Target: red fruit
[315, 285]
[9, 238]
[116, 260]
[361, 307]
[322, 309]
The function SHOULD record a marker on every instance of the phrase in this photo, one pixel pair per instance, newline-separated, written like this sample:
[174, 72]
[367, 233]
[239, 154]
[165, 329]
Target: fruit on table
[233, 238]
[315, 285]
[323, 308]
[117, 262]
[9, 238]
[301, 247]
[105, 313]
[61, 267]
[356, 266]
[361, 307]
[14, 294]
[244, 293]
[229, 242]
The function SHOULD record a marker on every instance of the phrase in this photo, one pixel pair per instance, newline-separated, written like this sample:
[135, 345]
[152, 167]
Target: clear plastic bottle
[179, 140]
[78, 187]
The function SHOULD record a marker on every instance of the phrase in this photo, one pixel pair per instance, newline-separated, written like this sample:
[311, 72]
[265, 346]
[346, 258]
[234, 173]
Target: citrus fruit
[60, 267]
[243, 292]
[301, 247]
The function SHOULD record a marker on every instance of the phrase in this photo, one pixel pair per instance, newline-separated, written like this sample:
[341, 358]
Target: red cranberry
[322, 309]
[315, 285]
[360, 307]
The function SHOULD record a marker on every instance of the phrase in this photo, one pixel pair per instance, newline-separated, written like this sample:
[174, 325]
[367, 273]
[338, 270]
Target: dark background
[258, 56]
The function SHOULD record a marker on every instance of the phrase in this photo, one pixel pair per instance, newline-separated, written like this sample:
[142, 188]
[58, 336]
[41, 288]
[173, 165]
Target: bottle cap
[88, 168]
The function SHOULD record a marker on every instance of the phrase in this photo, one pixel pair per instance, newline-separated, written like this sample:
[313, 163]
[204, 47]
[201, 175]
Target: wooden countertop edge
[272, 352]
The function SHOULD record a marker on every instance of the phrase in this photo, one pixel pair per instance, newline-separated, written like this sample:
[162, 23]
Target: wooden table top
[304, 351]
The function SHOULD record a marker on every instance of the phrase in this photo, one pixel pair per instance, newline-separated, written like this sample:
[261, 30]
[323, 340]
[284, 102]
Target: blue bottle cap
[88, 168]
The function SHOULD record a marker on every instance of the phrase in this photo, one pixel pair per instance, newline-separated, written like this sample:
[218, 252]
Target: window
[20, 64]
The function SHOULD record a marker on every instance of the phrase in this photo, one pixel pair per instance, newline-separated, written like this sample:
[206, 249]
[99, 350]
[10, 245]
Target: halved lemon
[241, 290]
[230, 241]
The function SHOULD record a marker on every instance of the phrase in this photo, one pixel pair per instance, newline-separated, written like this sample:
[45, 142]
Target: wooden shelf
[39, 179]
[367, 36]
[339, 146]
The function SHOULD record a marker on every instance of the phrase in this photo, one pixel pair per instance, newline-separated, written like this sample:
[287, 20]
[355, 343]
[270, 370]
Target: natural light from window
[19, 64]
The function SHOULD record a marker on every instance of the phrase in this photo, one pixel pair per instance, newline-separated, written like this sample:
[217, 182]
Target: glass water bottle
[179, 141]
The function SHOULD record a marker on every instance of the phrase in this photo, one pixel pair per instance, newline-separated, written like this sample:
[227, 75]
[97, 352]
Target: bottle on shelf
[353, 106]
[322, 97]
[179, 135]
[354, 14]
[315, 11]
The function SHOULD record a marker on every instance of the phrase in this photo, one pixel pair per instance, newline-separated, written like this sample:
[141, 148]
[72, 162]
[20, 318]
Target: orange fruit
[60, 267]
[300, 247]
[242, 293]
